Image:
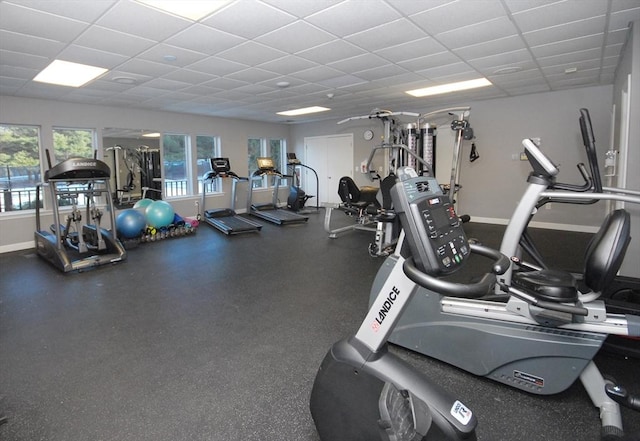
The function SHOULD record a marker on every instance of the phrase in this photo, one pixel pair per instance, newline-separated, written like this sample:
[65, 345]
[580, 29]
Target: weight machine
[414, 145]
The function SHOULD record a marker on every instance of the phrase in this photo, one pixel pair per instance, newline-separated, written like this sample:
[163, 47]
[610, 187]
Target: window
[70, 143]
[207, 147]
[19, 167]
[176, 178]
[275, 149]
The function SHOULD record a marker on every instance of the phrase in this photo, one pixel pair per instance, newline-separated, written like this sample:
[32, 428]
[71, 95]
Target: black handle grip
[468, 290]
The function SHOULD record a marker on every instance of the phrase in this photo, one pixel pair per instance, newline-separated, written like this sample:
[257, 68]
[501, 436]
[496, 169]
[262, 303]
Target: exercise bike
[538, 334]
[362, 392]
[543, 189]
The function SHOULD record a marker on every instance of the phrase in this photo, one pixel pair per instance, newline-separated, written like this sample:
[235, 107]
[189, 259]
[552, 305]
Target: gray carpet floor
[209, 337]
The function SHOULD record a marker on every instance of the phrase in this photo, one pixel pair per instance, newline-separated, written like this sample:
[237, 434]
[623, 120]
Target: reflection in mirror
[134, 158]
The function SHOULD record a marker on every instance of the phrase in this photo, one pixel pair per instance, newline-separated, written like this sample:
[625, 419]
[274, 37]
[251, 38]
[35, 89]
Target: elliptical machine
[362, 392]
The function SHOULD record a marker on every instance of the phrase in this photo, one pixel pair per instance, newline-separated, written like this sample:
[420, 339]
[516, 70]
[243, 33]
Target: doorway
[332, 158]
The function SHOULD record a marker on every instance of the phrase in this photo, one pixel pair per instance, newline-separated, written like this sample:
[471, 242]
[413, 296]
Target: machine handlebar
[469, 290]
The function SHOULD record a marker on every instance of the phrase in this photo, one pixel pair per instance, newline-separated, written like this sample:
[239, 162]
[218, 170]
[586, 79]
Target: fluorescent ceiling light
[191, 9]
[65, 73]
[151, 135]
[304, 111]
[451, 87]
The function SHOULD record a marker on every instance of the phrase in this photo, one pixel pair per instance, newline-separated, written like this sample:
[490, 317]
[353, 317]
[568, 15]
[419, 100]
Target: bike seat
[549, 285]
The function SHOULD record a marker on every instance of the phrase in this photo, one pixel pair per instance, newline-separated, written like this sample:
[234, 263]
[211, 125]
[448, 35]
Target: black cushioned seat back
[385, 188]
[348, 190]
[606, 250]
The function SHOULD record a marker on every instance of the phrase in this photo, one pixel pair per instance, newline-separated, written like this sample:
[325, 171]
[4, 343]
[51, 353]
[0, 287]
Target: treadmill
[270, 211]
[225, 219]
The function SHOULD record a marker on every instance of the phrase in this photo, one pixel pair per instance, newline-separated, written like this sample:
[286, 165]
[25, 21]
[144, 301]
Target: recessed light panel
[451, 87]
[66, 73]
[304, 111]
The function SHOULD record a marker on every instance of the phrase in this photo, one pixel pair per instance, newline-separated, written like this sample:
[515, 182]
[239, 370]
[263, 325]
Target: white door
[332, 158]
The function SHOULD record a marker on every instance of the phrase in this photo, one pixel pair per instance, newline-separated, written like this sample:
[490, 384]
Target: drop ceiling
[351, 56]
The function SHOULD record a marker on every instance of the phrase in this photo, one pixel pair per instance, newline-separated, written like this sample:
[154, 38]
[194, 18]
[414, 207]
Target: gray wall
[630, 64]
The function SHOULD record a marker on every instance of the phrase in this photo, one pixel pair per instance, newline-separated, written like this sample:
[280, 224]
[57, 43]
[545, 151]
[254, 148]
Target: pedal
[621, 396]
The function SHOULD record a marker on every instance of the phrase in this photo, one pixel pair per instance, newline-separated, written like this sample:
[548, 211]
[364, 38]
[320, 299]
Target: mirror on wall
[134, 158]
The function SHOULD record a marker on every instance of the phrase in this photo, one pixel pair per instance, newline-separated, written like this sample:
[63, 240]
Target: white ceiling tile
[570, 57]
[617, 37]
[205, 39]
[498, 28]
[251, 53]
[582, 66]
[389, 70]
[254, 89]
[183, 57]
[387, 35]
[456, 15]
[301, 8]
[331, 52]
[229, 63]
[448, 70]
[573, 45]
[18, 73]
[489, 48]
[145, 91]
[523, 5]
[417, 64]
[553, 14]
[141, 20]
[115, 42]
[76, 9]
[43, 47]
[39, 24]
[411, 50]
[508, 58]
[350, 17]
[146, 68]
[517, 78]
[523, 89]
[612, 52]
[188, 76]
[93, 57]
[249, 19]
[166, 84]
[566, 31]
[252, 75]
[217, 66]
[287, 65]
[224, 84]
[343, 81]
[26, 61]
[10, 85]
[295, 37]
[621, 19]
[318, 74]
[410, 7]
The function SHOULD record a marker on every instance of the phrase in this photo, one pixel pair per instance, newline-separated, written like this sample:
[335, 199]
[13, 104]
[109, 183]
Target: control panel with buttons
[434, 232]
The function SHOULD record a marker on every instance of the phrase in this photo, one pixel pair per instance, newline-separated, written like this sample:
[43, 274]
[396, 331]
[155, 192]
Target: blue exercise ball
[130, 223]
[143, 203]
[159, 214]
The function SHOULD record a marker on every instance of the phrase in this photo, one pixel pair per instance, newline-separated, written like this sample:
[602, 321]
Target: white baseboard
[543, 225]
[17, 247]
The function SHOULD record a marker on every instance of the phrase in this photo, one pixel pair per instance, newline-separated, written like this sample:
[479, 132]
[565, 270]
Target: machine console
[220, 165]
[434, 233]
[78, 168]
